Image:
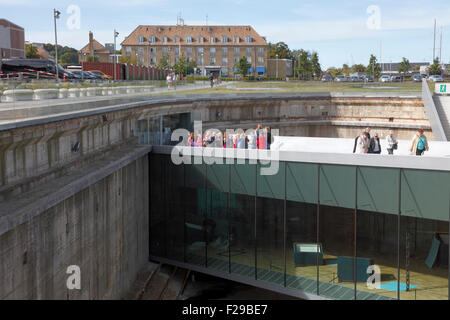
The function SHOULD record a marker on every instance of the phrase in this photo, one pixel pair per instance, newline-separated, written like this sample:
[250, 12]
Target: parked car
[396, 79]
[327, 78]
[436, 78]
[340, 79]
[102, 74]
[367, 78]
[355, 79]
[416, 78]
[385, 78]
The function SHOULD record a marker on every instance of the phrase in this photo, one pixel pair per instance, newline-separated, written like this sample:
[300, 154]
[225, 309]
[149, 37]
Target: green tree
[128, 59]
[358, 68]
[191, 67]
[164, 62]
[315, 65]
[346, 70]
[69, 58]
[281, 49]
[404, 66]
[92, 59]
[304, 68]
[373, 69]
[180, 67]
[243, 66]
[334, 72]
[435, 68]
[31, 52]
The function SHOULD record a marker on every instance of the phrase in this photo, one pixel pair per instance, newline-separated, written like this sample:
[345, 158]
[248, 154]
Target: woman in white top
[362, 144]
[391, 142]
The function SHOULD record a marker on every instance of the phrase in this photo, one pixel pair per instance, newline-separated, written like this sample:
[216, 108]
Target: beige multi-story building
[215, 49]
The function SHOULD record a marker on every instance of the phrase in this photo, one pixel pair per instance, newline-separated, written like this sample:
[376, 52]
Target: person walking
[392, 143]
[268, 137]
[169, 81]
[419, 143]
[211, 79]
[362, 144]
[367, 133]
[374, 145]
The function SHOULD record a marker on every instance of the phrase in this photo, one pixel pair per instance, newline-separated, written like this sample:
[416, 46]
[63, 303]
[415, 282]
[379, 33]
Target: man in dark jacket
[375, 146]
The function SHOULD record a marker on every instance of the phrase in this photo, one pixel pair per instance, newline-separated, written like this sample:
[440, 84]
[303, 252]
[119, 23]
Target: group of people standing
[258, 138]
[171, 80]
[364, 143]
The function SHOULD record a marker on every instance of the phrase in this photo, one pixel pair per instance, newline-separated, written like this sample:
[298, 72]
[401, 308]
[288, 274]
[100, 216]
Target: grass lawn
[309, 86]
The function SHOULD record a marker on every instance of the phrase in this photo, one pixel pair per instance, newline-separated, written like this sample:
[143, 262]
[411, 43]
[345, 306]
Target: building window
[249, 52]
[189, 39]
[176, 60]
[164, 50]
[152, 39]
[200, 39]
[260, 60]
[224, 39]
[224, 51]
[127, 51]
[249, 59]
[260, 51]
[200, 50]
[141, 39]
[200, 61]
[248, 39]
[237, 51]
[140, 50]
[165, 39]
[235, 39]
[152, 60]
[236, 59]
[177, 51]
[175, 39]
[212, 61]
[152, 50]
[224, 61]
[189, 51]
[212, 39]
[212, 51]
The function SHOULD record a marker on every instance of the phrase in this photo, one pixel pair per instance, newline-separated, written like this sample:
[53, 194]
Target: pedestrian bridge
[312, 227]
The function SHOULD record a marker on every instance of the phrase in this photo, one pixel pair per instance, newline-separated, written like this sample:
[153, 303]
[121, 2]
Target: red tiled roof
[182, 32]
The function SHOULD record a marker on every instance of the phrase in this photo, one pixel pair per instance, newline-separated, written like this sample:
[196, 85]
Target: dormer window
[165, 39]
[189, 39]
[212, 39]
[141, 39]
[224, 39]
[248, 39]
[200, 39]
[152, 39]
[176, 39]
[235, 39]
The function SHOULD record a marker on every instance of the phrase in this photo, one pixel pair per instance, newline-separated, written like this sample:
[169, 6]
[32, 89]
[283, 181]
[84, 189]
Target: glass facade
[336, 231]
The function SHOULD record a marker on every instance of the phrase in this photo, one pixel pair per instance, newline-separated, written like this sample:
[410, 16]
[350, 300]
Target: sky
[341, 31]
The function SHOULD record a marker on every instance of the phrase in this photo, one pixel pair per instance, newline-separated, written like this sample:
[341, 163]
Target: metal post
[284, 224]
[206, 216]
[317, 226]
[228, 217]
[398, 231]
[355, 229]
[116, 34]
[56, 14]
[255, 230]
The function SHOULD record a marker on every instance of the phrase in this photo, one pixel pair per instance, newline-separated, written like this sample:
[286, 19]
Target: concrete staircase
[442, 104]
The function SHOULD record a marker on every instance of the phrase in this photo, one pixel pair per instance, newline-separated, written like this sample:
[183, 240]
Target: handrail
[433, 116]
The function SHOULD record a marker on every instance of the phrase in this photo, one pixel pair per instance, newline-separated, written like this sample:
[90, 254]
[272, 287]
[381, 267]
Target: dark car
[416, 78]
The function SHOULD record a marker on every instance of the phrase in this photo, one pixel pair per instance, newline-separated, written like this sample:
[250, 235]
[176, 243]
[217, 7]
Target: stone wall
[103, 229]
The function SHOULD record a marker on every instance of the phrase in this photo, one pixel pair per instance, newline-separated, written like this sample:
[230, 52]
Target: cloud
[16, 2]
[135, 3]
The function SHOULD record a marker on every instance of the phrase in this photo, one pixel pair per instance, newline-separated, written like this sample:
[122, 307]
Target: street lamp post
[56, 14]
[116, 34]
[277, 65]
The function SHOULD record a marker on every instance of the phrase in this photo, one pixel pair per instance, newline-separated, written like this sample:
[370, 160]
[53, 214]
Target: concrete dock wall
[103, 229]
